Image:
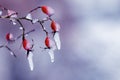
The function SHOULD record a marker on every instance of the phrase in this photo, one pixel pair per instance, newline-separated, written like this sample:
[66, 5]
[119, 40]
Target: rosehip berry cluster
[51, 42]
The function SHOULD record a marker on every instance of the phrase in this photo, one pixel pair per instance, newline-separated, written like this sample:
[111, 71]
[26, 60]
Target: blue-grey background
[90, 36]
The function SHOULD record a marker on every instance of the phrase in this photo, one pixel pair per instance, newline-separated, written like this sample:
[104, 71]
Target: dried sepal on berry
[47, 10]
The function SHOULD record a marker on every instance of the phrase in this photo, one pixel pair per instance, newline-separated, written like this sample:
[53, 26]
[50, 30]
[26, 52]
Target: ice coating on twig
[34, 21]
[13, 16]
[11, 53]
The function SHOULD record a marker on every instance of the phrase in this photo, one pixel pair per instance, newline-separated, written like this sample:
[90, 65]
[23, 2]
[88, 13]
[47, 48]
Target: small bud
[47, 10]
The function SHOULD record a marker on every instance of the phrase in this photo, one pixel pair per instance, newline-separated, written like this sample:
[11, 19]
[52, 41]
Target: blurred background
[90, 36]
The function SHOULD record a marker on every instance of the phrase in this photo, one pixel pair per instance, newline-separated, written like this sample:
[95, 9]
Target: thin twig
[25, 33]
[35, 9]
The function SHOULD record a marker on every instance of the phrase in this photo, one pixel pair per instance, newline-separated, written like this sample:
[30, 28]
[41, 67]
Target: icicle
[51, 53]
[29, 16]
[30, 61]
[57, 40]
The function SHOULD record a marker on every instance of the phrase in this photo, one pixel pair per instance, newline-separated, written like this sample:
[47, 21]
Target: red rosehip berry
[48, 42]
[26, 44]
[47, 10]
[9, 36]
[55, 26]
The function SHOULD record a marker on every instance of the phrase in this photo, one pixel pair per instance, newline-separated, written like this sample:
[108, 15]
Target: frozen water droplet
[14, 23]
[26, 35]
[34, 20]
[21, 28]
[11, 53]
[44, 19]
[29, 16]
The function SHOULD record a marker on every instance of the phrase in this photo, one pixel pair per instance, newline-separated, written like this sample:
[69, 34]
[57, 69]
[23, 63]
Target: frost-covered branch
[51, 43]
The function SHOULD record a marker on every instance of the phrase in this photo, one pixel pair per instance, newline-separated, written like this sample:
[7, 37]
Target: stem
[24, 18]
[11, 51]
[23, 34]
[43, 28]
[35, 9]
[26, 33]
